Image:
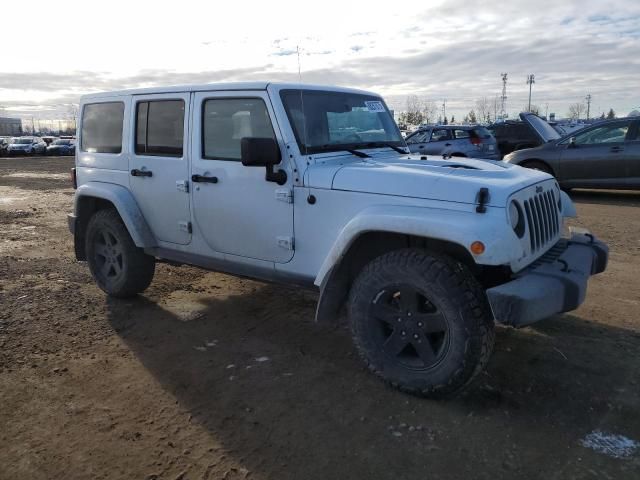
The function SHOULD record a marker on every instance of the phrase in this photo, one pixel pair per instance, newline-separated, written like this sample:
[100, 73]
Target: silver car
[26, 146]
[456, 140]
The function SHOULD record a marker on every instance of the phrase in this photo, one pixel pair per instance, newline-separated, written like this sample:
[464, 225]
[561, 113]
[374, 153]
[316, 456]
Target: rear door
[159, 164]
[599, 157]
[461, 142]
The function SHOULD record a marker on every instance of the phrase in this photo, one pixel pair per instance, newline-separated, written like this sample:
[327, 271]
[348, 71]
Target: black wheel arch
[336, 285]
[86, 207]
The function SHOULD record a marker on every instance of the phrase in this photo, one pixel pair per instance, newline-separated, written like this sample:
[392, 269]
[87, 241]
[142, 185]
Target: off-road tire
[448, 288]
[107, 239]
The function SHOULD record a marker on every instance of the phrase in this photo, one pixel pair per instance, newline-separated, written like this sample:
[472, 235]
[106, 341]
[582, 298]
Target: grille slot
[542, 219]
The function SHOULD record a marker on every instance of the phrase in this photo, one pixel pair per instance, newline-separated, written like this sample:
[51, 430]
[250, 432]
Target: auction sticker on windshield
[374, 106]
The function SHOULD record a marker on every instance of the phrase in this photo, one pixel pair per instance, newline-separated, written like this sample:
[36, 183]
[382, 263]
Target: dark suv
[513, 135]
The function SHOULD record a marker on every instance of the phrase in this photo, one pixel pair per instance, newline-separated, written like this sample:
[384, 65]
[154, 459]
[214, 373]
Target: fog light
[477, 248]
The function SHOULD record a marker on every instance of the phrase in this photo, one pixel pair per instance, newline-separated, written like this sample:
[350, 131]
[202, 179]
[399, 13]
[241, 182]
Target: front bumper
[555, 283]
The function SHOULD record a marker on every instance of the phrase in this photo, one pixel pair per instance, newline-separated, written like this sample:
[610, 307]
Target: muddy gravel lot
[207, 376]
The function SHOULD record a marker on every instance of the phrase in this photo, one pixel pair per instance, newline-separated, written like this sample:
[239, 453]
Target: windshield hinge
[284, 195]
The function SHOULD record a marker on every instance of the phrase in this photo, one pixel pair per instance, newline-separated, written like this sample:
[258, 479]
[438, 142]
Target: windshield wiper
[388, 145]
[357, 153]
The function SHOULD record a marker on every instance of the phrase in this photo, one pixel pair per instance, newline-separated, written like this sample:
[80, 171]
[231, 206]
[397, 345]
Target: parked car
[455, 140]
[62, 147]
[4, 145]
[26, 146]
[604, 155]
[514, 135]
[425, 254]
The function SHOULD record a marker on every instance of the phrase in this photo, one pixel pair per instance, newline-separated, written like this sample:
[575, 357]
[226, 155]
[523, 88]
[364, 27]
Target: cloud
[437, 50]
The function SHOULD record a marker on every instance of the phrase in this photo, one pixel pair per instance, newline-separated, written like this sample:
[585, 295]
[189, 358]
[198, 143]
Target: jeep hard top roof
[231, 86]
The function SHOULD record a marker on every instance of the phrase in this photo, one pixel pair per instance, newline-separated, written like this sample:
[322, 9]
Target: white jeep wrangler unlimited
[313, 186]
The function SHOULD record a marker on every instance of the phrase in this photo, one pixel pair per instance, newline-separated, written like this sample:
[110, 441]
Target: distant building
[10, 126]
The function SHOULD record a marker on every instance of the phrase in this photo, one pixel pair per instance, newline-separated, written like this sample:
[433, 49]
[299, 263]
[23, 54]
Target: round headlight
[516, 218]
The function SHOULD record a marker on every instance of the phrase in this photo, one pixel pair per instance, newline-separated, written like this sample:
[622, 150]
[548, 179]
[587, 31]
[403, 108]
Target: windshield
[325, 121]
[546, 131]
[22, 141]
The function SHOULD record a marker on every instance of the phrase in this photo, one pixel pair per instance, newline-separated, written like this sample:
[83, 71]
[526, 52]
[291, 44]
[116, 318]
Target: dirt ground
[207, 376]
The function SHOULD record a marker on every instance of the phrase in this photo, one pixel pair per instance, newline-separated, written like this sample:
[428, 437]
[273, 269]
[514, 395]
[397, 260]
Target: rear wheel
[421, 322]
[119, 267]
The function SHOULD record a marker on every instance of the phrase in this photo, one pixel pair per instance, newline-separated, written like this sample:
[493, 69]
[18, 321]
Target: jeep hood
[433, 178]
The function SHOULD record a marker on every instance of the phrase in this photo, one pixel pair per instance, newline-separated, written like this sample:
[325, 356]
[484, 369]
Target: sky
[438, 50]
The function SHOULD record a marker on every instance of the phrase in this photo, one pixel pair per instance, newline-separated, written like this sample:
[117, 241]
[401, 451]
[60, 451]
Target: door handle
[141, 173]
[616, 149]
[203, 179]
[447, 144]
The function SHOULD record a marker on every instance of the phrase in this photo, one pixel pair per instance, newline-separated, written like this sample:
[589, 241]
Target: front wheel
[119, 267]
[421, 322]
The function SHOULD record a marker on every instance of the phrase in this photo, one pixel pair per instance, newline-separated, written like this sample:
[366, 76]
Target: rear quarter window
[102, 127]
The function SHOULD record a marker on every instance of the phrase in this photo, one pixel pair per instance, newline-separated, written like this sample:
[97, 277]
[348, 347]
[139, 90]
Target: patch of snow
[262, 359]
[613, 445]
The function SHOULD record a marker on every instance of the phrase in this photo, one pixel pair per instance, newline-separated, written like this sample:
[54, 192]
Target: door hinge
[285, 242]
[284, 195]
[182, 186]
[185, 227]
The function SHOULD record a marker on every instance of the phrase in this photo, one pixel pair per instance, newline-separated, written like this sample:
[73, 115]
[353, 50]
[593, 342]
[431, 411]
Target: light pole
[530, 81]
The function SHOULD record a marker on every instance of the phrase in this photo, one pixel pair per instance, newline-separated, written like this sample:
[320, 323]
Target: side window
[418, 137]
[160, 128]
[102, 127]
[225, 121]
[461, 133]
[439, 135]
[606, 134]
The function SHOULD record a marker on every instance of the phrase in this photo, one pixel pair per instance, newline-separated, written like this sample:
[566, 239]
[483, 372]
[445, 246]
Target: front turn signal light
[477, 248]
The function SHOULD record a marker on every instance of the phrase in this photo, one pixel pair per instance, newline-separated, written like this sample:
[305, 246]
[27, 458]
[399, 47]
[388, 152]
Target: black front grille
[542, 218]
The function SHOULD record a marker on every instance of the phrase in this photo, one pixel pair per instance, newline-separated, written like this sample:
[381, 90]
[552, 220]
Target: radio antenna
[304, 117]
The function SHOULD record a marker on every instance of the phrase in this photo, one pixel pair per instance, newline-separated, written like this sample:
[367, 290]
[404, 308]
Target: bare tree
[429, 111]
[414, 110]
[72, 114]
[472, 116]
[576, 110]
[484, 107]
[535, 109]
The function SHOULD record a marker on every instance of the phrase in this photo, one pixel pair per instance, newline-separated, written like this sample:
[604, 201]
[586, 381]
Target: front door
[597, 157]
[159, 165]
[440, 140]
[237, 211]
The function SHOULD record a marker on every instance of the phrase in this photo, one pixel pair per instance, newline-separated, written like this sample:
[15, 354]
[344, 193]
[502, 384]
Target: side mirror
[263, 152]
[572, 142]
